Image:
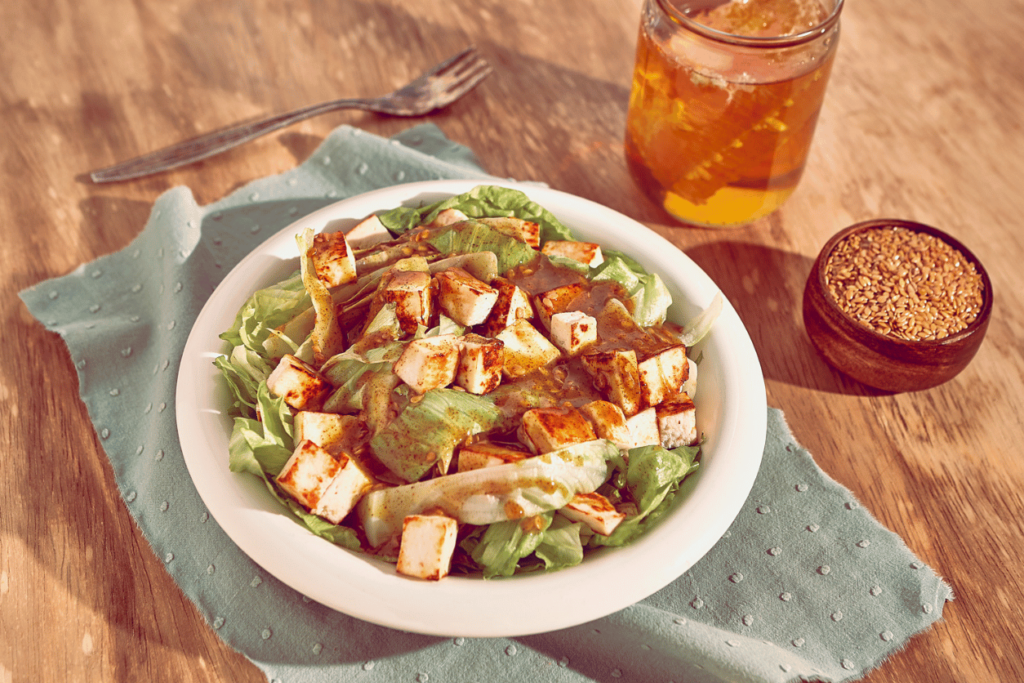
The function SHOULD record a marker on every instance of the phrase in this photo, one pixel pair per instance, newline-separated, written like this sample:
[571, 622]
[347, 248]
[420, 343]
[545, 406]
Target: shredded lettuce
[245, 370]
[491, 494]
[427, 432]
[327, 336]
[698, 327]
[267, 309]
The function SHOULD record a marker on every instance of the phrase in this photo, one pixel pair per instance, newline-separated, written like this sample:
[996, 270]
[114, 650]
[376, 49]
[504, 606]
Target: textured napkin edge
[941, 594]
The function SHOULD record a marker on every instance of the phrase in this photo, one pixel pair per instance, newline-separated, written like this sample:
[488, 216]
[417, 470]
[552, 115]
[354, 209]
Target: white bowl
[731, 409]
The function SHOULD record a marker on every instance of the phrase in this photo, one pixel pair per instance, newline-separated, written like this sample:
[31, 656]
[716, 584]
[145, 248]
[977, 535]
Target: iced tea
[724, 103]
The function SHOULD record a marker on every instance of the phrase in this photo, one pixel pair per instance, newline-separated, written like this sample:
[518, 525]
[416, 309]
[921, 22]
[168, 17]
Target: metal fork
[437, 88]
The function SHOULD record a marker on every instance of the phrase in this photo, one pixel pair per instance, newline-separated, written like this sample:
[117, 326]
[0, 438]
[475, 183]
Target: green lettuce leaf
[647, 291]
[652, 478]
[471, 237]
[504, 544]
[262, 448]
[481, 201]
[561, 546]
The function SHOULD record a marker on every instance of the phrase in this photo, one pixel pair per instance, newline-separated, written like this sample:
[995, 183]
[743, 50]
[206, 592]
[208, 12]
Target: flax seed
[904, 283]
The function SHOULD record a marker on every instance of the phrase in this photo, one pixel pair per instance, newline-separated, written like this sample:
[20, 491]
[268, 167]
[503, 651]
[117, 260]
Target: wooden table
[922, 121]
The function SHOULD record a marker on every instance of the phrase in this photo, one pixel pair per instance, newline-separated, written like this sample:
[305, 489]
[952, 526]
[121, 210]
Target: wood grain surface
[922, 121]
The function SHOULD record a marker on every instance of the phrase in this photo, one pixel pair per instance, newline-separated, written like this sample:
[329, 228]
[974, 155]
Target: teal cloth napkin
[806, 585]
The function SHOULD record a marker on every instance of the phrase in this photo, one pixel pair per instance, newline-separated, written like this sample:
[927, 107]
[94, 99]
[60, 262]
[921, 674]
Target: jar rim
[807, 36]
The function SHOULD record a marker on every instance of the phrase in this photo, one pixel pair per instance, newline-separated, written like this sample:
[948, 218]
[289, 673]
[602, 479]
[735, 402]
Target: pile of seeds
[903, 283]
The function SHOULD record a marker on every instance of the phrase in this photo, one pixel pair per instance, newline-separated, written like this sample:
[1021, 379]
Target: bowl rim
[979, 324]
[238, 502]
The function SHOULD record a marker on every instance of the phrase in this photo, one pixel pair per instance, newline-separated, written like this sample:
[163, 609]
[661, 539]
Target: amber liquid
[720, 148]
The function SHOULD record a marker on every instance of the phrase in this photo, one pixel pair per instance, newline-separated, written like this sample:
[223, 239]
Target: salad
[463, 387]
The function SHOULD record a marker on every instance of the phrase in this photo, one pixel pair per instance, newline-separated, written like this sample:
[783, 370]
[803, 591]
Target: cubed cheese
[609, 422]
[333, 260]
[662, 374]
[486, 454]
[368, 233]
[595, 511]
[557, 300]
[547, 429]
[330, 431]
[430, 362]
[512, 304]
[677, 422]
[307, 473]
[643, 428]
[616, 375]
[526, 349]
[344, 490]
[413, 296]
[301, 387]
[480, 364]
[465, 299]
[428, 542]
[573, 331]
[587, 253]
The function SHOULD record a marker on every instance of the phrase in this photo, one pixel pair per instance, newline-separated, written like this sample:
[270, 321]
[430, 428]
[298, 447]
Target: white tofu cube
[587, 253]
[429, 363]
[485, 454]
[547, 429]
[428, 542]
[301, 387]
[594, 510]
[465, 299]
[333, 261]
[573, 331]
[307, 473]
[521, 229]
[609, 422]
[557, 300]
[480, 364]
[413, 296]
[447, 217]
[368, 233]
[330, 431]
[616, 375]
[677, 422]
[643, 428]
[512, 304]
[526, 349]
[662, 374]
[341, 494]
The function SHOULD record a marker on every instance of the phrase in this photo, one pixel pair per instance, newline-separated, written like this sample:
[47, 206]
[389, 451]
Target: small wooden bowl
[884, 361]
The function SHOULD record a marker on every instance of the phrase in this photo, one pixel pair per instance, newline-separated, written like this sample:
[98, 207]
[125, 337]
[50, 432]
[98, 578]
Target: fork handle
[215, 142]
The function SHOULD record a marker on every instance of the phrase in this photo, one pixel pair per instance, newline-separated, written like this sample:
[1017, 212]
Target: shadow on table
[755, 278]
